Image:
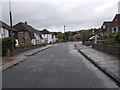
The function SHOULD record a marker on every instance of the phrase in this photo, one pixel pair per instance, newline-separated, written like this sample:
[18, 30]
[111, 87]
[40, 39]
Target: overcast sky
[54, 14]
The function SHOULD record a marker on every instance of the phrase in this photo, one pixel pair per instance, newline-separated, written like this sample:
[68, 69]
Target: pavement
[60, 66]
[106, 62]
[6, 62]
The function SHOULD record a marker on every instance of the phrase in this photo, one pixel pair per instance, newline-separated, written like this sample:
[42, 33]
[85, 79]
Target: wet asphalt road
[60, 66]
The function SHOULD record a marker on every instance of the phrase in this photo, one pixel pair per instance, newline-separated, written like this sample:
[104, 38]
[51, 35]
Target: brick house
[115, 26]
[106, 28]
[5, 31]
[27, 33]
[76, 37]
[96, 32]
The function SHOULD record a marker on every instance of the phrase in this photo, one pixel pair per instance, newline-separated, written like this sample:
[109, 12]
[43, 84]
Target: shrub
[27, 44]
[7, 44]
[117, 38]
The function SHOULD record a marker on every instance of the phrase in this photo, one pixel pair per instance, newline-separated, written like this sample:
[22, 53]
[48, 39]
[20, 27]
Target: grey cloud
[53, 15]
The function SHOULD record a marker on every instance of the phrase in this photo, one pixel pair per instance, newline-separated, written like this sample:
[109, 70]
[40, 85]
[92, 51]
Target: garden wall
[26, 48]
[106, 48]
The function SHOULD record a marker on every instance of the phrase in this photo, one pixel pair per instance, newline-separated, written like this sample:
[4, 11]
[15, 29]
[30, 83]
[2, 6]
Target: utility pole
[11, 32]
[64, 33]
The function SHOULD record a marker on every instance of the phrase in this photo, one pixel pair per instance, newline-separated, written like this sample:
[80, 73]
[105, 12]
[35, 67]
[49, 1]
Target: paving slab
[107, 62]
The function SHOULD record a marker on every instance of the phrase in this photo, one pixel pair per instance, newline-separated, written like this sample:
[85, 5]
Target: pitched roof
[116, 21]
[4, 25]
[25, 27]
[107, 23]
[45, 31]
[117, 16]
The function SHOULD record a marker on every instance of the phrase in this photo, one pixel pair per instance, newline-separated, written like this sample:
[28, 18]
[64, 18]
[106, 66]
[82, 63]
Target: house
[106, 28]
[115, 26]
[96, 32]
[76, 37]
[48, 37]
[27, 33]
[5, 31]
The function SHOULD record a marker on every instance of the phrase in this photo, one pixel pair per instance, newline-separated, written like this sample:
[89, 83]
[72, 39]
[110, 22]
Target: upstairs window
[104, 26]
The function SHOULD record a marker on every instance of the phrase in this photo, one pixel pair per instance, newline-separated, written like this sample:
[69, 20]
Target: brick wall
[26, 48]
[110, 49]
[23, 37]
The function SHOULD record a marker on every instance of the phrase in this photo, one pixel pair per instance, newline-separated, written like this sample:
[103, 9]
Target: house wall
[23, 37]
[48, 38]
[116, 24]
[38, 39]
[4, 32]
[16, 42]
[33, 41]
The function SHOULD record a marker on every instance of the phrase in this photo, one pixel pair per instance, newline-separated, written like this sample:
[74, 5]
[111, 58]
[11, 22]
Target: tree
[84, 35]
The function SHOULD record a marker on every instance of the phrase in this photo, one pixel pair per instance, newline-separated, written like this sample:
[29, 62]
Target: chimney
[25, 22]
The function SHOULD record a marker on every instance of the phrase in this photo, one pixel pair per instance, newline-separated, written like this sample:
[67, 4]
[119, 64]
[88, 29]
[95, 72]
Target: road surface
[60, 66]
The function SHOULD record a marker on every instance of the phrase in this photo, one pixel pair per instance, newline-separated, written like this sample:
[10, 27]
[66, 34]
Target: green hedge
[117, 38]
[111, 39]
[7, 44]
[27, 44]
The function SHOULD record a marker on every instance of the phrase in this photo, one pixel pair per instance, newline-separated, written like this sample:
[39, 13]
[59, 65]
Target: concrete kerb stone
[21, 59]
[113, 77]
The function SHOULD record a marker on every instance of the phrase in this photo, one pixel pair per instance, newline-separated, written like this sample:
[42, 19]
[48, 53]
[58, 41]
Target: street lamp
[11, 32]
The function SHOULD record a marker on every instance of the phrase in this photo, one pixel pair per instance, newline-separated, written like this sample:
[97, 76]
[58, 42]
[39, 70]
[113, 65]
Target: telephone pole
[11, 32]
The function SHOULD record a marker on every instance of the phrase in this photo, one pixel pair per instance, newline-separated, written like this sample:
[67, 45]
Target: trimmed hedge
[27, 44]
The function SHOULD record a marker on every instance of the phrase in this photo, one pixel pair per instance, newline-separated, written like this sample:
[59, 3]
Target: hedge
[7, 45]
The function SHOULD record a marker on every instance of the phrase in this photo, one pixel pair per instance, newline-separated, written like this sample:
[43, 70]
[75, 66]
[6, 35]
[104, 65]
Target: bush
[27, 44]
[117, 38]
[84, 35]
[7, 45]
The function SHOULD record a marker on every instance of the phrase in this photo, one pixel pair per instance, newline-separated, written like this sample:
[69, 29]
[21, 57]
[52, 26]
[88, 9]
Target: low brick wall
[87, 43]
[106, 48]
[26, 48]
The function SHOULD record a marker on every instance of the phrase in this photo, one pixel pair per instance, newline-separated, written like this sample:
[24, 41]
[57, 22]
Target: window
[22, 42]
[52, 36]
[3, 35]
[104, 26]
[4, 30]
[118, 29]
[114, 30]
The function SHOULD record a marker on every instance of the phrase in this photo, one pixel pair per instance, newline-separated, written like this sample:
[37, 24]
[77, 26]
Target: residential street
[60, 66]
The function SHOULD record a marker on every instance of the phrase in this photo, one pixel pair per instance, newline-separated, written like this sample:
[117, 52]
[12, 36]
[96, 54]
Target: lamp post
[11, 32]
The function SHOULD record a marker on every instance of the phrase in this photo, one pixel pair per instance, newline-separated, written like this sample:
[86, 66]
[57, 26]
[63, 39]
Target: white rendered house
[48, 37]
[5, 31]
